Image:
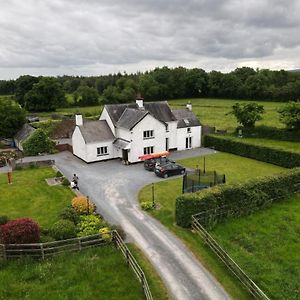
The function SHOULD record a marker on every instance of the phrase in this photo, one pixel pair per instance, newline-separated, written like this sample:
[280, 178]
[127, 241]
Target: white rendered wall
[182, 134]
[78, 143]
[172, 134]
[105, 116]
[137, 138]
[92, 151]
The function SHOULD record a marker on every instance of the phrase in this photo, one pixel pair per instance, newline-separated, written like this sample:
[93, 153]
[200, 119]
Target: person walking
[75, 178]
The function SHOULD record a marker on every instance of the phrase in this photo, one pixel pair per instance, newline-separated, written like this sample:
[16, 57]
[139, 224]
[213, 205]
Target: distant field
[266, 245]
[213, 112]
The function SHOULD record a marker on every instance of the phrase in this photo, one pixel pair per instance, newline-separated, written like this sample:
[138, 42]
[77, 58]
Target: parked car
[169, 170]
[149, 164]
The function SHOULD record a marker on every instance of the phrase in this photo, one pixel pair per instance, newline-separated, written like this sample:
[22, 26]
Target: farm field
[266, 246]
[30, 196]
[100, 273]
[237, 169]
[213, 112]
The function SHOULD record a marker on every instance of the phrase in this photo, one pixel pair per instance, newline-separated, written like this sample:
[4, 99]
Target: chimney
[139, 101]
[189, 106]
[78, 120]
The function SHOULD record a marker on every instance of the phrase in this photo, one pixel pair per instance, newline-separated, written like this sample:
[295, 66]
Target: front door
[125, 155]
[188, 142]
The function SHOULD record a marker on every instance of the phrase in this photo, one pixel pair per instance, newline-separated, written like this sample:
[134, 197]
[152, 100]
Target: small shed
[24, 133]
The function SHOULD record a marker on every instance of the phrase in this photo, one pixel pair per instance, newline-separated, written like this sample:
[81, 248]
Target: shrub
[20, 231]
[147, 205]
[63, 229]
[90, 225]
[289, 115]
[37, 143]
[3, 220]
[69, 213]
[59, 174]
[237, 200]
[83, 205]
[65, 182]
[274, 156]
[46, 238]
[105, 233]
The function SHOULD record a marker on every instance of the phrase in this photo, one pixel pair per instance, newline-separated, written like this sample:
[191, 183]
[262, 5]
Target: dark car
[169, 170]
[149, 164]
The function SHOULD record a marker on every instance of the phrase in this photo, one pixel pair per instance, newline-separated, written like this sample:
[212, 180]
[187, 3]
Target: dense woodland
[48, 93]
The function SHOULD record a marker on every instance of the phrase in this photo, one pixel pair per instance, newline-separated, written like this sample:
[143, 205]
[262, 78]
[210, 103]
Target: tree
[46, 95]
[247, 114]
[89, 96]
[12, 117]
[290, 115]
[23, 85]
[37, 143]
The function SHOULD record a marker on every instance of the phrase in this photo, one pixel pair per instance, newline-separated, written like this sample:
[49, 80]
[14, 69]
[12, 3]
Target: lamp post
[153, 200]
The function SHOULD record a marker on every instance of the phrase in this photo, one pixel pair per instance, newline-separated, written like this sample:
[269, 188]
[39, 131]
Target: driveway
[114, 188]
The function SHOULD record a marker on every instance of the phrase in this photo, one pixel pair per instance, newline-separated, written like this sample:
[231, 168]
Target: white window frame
[148, 134]
[102, 151]
[148, 150]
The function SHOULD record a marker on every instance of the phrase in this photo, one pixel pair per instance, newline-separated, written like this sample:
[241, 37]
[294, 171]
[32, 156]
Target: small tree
[247, 114]
[37, 143]
[289, 115]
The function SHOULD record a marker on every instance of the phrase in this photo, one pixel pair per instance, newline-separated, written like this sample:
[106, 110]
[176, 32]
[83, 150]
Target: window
[102, 151]
[189, 130]
[167, 127]
[148, 150]
[148, 134]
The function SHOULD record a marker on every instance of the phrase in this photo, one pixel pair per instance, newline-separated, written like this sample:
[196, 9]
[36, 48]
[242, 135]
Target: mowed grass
[237, 169]
[30, 196]
[100, 273]
[213, 112]
[266, 245]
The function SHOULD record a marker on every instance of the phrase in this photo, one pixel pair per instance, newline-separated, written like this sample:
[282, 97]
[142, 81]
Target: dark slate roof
[186, 118]
[63, 129]
[115, 111]
[96, 131]
[24, 132]
[121, 143]
[131, 117]
[160, 110]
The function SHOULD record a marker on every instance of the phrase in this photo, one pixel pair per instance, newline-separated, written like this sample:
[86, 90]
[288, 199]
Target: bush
[237, 200]
[274, 156]
[59, 174]
[46, 238]
[63, 229]
[37, 143]
[3, 220]
[69, 213]
[147, 205]
[90, 225]
[289, 115]
[20, 231]
[105, 233]
[83, 205]
[65, 182]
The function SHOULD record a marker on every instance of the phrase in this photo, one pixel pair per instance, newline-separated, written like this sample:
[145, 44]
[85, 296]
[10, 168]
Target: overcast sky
[92, 37]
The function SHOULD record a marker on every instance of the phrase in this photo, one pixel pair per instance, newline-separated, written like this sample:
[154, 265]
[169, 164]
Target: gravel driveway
[114, 188]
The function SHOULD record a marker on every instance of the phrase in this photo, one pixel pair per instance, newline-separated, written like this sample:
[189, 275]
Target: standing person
[75, 178]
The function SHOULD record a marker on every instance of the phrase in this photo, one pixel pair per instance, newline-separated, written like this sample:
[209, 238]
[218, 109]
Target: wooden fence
[228, 261]
[44, 250]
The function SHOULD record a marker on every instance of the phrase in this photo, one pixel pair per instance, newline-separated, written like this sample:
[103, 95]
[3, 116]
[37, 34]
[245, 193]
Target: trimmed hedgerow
[238, 199]
[63, 229]
[274, 156]
[20, 231]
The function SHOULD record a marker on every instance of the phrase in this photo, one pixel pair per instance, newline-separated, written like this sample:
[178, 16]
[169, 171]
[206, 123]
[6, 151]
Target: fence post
[79, 244]
[4, 252]
[42, 251]
[183, 182]
[143, 281]
[127, 256]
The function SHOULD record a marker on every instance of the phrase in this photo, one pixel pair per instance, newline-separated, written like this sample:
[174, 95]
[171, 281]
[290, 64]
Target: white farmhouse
[128, 131]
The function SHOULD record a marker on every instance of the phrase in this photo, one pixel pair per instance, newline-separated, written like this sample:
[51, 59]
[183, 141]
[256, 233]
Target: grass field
[266, 245]
[213, 112]
[100, 273]
[30, 196]
[237, 169]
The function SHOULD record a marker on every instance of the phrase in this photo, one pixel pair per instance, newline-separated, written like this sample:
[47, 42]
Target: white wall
[92, 151]
[172, 134]
[137, 137]
[78, 143]
[105, 116]
[182, 134]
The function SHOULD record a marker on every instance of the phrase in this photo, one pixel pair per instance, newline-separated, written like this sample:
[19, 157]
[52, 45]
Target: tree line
[48, 93]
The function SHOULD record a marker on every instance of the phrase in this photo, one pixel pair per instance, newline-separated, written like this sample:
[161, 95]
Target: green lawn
[30, 196]
[266, 245]
[100, 273]
[237, 169]
[212, 112]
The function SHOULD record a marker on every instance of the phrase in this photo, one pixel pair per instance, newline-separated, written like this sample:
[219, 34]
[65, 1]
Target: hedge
[241, 199]
[274, 156]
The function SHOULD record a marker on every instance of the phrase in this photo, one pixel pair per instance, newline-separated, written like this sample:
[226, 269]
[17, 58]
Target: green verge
[29, 196]
[266, 246]
[100, 273]
[237, 169]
